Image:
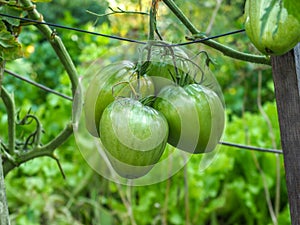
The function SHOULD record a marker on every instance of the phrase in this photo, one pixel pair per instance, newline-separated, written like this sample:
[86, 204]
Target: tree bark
[286, 76]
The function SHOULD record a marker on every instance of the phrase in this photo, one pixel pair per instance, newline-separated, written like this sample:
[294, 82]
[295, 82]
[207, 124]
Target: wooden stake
[286, 76]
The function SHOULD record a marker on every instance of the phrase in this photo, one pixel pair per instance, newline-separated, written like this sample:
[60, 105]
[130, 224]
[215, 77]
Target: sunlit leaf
[10, 48]
[13, 11]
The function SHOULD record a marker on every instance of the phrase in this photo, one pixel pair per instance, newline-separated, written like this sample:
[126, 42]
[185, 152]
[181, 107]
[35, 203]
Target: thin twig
[45, 88]
[166, 202]
[186, 194]
[266, 190]
[126, 203]
[2, 69]
[272, 136]
[11, 123]
[213, 17]
[119, 11]
[59, 166]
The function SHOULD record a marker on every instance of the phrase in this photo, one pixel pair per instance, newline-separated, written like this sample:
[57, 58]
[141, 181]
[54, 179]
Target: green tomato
[115, 80]
[133, 135]
[281, 31]
[195, 115]
[169, 66]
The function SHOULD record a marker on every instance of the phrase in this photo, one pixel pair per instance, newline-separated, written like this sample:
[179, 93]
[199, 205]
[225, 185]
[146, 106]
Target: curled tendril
[34, 138]
[208, 58]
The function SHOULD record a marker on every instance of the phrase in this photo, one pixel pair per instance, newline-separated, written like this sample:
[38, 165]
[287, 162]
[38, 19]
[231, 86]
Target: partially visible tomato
[115, 80]
[272, 30]
[195, 115]
[134, 136]
[168, 65]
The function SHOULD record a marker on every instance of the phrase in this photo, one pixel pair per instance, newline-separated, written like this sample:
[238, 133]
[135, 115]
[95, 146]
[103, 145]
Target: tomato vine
[9, 152]
[34, 17]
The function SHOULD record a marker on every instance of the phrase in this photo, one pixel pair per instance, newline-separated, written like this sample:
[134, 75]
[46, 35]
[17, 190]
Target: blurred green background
[240, 186]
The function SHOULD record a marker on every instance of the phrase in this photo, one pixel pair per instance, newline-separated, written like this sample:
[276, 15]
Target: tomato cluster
[137, 108]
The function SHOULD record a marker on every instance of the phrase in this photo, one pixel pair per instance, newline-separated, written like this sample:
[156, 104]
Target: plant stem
[213, 16]
[186, 194]
[55, 42]
[46, 150]
[2, 69]
[58, 140]
[4, 214]
[152, 20]
[11, 124]
[220, 47]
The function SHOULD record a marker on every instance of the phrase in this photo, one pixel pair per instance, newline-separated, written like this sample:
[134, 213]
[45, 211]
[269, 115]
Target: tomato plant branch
[118, 11]
[4, 220]
[10, 109]
[220, 47]
[55, 42]
[2, 69]
[152, 20]
[46, 150]
[59, 140]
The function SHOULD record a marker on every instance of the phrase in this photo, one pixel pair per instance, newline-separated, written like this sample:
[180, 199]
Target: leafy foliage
[10, 48]
[86, 198]
[37, 193]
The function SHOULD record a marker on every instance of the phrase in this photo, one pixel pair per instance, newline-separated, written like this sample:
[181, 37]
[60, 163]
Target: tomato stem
[216, 45]
[152, 19]
[135, 93]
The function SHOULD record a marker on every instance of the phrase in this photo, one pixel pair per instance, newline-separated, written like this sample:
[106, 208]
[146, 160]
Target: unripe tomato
[195, 115]
[273, 32]
[119, 79]
[134, 136]
[168, 65]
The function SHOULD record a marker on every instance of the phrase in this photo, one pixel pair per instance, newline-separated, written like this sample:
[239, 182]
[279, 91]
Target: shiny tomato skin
[133, 135]
[168, 65]
[195, 115]
[272, 30]
[115, 80]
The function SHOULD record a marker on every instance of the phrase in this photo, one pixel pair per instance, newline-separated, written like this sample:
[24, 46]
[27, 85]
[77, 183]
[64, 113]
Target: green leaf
[13, 11]
[10, 48]
[292, 6]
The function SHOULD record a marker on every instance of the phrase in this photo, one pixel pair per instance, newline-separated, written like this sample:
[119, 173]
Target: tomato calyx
[148, 100]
